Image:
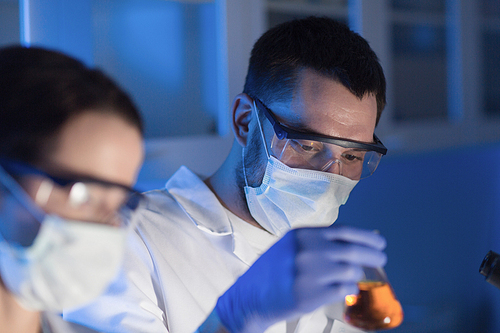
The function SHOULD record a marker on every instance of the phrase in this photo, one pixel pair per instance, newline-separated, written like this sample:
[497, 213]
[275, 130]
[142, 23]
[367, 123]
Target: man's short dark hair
[319, 43]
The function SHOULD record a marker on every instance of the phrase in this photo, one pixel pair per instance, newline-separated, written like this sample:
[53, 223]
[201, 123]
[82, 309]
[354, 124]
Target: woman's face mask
[51, 263]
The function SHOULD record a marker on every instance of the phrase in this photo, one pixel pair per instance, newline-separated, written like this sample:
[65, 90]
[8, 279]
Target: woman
[70, 150]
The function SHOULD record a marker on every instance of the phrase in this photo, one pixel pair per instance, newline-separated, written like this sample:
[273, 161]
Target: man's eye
[305, 146]
[352, 157]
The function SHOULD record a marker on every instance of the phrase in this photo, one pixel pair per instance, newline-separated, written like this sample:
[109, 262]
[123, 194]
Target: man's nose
[335, 167]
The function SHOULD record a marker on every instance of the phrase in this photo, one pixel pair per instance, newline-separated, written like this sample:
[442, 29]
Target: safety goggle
[77, 198]
[353, 159]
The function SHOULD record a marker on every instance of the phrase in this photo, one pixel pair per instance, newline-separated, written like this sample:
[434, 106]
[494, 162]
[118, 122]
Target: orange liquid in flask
[374, 308]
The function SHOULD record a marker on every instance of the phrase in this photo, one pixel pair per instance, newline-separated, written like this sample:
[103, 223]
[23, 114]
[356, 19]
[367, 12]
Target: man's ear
[242, 110]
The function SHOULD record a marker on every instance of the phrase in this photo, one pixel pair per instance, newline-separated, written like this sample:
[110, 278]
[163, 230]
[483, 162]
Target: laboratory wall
[440, 213]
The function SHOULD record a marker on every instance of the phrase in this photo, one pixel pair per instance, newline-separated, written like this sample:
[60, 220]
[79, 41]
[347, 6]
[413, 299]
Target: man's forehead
[324, 106]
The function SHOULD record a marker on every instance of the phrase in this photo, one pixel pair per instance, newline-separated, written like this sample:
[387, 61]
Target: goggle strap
[243, 165]
[21, 196]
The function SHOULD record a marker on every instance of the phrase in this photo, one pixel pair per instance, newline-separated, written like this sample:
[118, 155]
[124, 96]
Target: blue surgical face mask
[290, 198]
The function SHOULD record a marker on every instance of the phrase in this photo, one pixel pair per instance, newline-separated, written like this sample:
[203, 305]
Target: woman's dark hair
[40, 90]
[322, 44]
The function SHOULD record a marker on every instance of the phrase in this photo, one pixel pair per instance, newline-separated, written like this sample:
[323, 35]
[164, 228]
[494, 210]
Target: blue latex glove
[307, 268]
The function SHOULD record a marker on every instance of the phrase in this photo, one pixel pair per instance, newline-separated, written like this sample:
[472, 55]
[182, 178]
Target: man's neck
[223, 183]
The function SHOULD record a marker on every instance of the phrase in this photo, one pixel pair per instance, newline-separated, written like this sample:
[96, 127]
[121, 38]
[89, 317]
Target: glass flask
[490, 268]
[376, 306]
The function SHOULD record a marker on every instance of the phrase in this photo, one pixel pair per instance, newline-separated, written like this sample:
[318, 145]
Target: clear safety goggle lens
[316, 155]
[21, 214]
[88, 201]
[20, 218]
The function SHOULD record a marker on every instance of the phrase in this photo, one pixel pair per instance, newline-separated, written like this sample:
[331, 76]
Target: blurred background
[435, 196]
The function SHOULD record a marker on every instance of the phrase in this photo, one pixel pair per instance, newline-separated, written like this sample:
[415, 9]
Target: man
[304, 136]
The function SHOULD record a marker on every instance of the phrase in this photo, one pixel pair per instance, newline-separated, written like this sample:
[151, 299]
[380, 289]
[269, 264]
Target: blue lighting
[148, 37]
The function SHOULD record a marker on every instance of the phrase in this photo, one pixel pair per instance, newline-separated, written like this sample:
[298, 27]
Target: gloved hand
[307, 268]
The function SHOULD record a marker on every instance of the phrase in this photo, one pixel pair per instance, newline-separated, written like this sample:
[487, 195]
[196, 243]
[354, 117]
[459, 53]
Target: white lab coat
[182, 258]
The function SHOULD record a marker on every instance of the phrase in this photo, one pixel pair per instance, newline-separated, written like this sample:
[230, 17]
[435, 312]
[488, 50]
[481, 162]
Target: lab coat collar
[206, 212]
[199, 202]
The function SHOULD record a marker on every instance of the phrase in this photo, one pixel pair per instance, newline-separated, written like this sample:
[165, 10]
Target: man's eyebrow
[307, 130]
[296, 125]
[300, 127]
